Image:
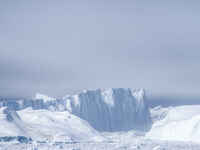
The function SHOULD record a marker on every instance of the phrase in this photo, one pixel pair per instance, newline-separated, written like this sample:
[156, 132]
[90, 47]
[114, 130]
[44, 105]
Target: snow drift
[46, 125]
[181, 123]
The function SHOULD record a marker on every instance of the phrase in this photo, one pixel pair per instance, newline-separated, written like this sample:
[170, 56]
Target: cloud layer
[59, 46]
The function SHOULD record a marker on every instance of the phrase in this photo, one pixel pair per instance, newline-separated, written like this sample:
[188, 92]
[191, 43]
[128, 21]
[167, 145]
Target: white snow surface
[7, 128]
[180, 124]
[44, 124]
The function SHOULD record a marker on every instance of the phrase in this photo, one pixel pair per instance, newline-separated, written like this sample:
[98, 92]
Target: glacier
[117, 118]
[108, 109]
[112, 109]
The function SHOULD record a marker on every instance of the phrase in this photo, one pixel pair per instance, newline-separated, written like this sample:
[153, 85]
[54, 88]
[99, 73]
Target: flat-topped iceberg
[111, 109]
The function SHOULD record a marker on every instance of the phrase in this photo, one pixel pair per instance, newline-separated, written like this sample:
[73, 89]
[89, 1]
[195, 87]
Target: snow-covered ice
[180, 123]
[109, 118]
[43, 124]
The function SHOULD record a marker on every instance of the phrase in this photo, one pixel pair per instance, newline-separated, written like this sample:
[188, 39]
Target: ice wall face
[117, 109]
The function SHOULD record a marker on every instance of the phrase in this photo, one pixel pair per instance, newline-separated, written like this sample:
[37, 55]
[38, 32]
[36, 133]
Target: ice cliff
[112, 109]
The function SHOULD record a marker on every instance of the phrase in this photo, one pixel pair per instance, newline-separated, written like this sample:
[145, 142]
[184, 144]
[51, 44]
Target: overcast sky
[53, 46]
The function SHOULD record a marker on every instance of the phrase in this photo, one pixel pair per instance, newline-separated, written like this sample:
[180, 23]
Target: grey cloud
[56, 46]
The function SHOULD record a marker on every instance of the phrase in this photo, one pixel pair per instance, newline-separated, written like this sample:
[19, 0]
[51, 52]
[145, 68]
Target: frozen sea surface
[142, 144]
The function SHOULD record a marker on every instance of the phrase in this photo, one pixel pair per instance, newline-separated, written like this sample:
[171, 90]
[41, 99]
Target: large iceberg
[112, 109]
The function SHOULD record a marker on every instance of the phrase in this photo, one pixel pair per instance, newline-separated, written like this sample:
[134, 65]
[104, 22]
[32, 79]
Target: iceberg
[112, 109]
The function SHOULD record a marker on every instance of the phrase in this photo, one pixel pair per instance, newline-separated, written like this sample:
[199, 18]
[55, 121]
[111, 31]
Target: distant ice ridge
[40, 101]
[45, 98]
[111, 109]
